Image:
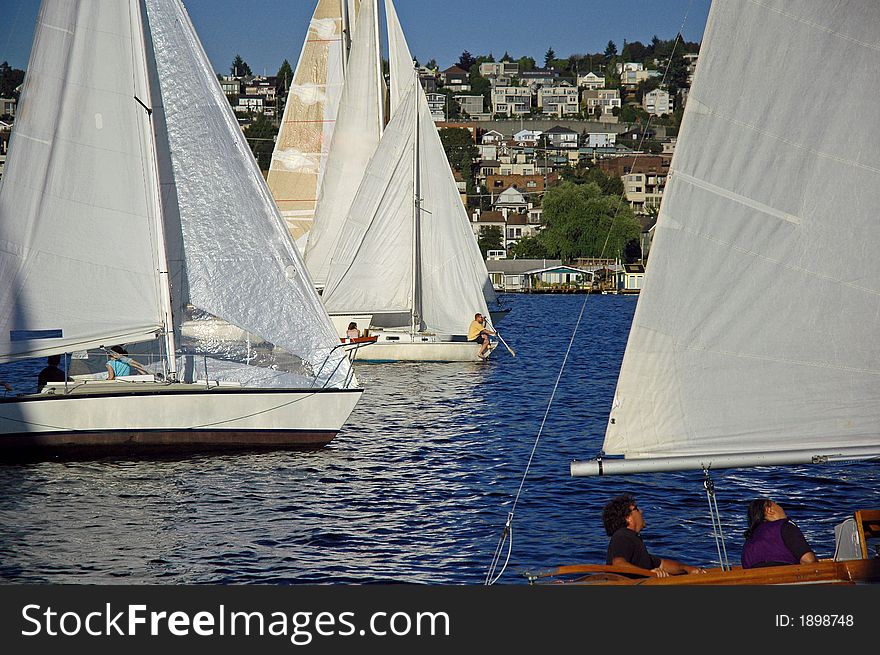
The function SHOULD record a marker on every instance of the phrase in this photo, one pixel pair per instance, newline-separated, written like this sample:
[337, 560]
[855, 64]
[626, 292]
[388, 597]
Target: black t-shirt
[794, 540]
[49, 374]
[629, 545]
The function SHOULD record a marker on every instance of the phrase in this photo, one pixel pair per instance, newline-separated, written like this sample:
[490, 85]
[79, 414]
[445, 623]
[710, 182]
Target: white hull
[393, 346]
[152, 416]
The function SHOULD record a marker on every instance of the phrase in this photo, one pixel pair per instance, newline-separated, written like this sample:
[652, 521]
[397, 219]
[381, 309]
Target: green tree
[10, 79]
[466, 60]
[581, 221]
[506, 56]
[530, 248]
[239, 67]
[260, 136]
[284, 76]
[480, 86]
[461, 153]
[610, 50]
[549, 56]
[491, 238]
[526, 64]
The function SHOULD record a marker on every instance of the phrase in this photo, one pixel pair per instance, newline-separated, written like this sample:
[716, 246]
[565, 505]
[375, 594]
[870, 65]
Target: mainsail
[381, 264]
[248, 273]
[359, 123]
[127, 154]
[78, 259]
[309, 118]
[754, 340]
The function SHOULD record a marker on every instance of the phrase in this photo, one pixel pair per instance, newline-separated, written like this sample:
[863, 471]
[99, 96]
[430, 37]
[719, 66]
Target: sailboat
[359, 123]
[754, 338]
[303, 142]
[132, 212]
[406, 257]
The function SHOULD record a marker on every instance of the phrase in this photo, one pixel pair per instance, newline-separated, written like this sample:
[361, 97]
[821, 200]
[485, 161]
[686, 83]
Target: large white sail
[246, 272]
[78, 260]
[309, 118]
[357, 132]
[374, 266]
[756, 329]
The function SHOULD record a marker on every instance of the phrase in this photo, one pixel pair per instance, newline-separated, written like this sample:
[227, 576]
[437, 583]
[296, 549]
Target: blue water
[416, 488]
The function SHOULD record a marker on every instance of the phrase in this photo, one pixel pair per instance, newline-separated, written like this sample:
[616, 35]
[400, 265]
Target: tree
[506, 56]
[461, 152]
[284, 76]
[549, 56]
[491, 238]
[239, 67]
[581, 221]
[610, 50]
[466, 60]
[432, 64]
[10, 79]
[526, 64]
[260, 136]
[529, 248]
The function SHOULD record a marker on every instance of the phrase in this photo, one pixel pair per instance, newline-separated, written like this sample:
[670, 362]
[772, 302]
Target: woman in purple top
[772, 539]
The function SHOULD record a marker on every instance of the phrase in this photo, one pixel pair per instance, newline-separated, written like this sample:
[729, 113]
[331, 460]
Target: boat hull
[859, 571]
[405, 347]
[96, 419]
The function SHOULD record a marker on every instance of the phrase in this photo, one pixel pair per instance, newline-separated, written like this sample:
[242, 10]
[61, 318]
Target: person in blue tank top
[772, 539]
[120, 364]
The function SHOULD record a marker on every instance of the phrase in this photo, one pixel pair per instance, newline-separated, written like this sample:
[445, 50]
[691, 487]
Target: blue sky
[265, 32]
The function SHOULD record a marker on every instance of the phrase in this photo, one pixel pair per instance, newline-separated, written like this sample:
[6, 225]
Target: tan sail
[309, 117]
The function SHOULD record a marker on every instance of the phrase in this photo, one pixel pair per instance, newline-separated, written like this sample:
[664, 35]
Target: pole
[509, 349]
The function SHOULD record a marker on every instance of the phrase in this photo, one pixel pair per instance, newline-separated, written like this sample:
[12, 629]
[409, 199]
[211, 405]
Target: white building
[559, 100]
[657, 102]
[511, 100]
[591, 81]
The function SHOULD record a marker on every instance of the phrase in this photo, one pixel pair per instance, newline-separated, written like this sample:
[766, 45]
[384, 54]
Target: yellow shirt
[474, 329]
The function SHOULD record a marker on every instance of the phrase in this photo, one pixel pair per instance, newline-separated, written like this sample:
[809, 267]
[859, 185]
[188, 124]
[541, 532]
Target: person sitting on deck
[772, 539]
[353, 332]
[120, 364]
[480, 333]
[623, 521]
[51, 373]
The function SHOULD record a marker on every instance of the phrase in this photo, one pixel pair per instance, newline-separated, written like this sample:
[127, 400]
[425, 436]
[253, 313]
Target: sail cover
[355, 137]
[309, 117]
[78, 257]
[240, 263]
[756, 327]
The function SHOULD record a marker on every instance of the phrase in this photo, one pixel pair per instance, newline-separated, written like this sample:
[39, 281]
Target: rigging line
[508, 526]
[648, 124]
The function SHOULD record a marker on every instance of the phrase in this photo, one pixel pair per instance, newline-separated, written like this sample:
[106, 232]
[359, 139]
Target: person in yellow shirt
[479, 332]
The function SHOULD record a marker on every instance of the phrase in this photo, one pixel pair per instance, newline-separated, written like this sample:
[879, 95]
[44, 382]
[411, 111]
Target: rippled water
[416, 488]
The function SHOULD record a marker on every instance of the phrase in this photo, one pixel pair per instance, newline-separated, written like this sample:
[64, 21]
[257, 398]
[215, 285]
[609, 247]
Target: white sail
[374, 266]
[246, 272]
[756, 328]
[309, 118]
[79, 261]
[400, 62]
[356, 134]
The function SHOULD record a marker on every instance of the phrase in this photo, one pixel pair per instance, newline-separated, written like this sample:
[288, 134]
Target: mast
[346, 34]
[380, 78]
[162, 255]
[417, 211]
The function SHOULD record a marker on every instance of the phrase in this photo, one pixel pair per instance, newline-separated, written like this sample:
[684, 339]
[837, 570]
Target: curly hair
[615, 512]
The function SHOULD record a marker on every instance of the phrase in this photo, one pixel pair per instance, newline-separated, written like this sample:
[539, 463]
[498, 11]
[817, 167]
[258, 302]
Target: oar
[501, 339]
